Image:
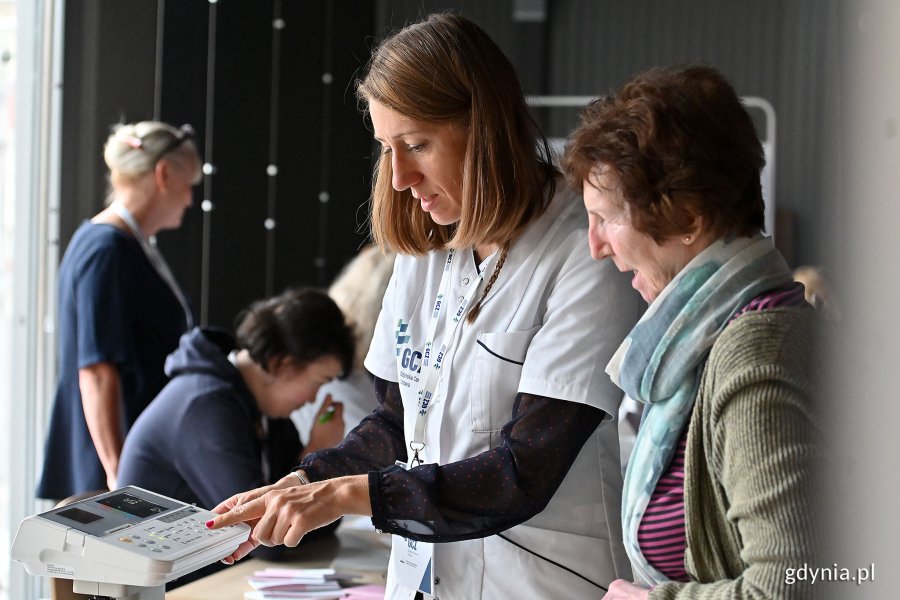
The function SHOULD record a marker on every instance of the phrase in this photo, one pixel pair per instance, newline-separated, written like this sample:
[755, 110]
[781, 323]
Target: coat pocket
[495, 377]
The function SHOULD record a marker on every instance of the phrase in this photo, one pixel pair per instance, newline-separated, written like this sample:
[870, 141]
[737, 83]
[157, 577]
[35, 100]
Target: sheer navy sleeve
[472, 498]
[377, 442]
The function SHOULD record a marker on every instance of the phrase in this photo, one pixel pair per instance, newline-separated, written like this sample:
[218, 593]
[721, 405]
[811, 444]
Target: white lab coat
[561, 315]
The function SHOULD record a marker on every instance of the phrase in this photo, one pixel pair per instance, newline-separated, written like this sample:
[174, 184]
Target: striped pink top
[661, 534]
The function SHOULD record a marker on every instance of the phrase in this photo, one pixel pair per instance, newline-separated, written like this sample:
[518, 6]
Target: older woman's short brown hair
[446, 69]
[681, 146]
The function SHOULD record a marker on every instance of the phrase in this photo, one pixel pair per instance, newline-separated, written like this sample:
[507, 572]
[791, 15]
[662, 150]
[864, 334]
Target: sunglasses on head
[184, 133]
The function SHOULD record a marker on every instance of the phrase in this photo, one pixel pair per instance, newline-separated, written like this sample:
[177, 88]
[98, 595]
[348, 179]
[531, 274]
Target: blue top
[201, 440]
[113, 307]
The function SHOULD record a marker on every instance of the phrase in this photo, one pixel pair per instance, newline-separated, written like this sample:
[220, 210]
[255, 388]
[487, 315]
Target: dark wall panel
[107, 77]
[494, 16]
[322, 142]
[522, 39]
[183, 100]
[237, 239]
[781, 50]
[322, 145]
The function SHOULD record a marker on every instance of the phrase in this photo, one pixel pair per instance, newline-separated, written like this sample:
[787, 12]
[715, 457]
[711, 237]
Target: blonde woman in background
[121, 311]
[818, 291]
[358, 291]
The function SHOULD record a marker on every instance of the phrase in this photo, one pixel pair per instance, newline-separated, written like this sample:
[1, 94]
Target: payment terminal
[124, 544]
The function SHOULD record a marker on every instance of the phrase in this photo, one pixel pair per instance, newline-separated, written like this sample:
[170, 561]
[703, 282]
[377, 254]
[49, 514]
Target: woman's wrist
[352, 494]
[288, 481]
[300, 475]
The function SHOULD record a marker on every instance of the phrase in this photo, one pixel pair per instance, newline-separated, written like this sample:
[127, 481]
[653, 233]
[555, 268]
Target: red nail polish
[209, 524]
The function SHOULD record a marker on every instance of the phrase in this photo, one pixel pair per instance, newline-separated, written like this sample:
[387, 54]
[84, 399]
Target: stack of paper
[324, 584]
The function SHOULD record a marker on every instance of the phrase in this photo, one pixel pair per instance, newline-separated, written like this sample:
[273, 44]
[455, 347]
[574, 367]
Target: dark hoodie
[201, 440]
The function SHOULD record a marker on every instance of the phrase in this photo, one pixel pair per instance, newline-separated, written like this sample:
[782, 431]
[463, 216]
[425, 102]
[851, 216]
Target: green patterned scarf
[660, 361]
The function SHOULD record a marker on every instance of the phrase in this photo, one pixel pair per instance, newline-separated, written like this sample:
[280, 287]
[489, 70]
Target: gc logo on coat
[412, 360]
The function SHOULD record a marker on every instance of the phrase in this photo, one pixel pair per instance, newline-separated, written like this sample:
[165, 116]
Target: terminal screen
[113, 511]
[132, 505]
[80, 516]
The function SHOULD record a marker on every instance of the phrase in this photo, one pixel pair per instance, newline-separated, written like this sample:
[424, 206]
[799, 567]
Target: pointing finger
[245, 512]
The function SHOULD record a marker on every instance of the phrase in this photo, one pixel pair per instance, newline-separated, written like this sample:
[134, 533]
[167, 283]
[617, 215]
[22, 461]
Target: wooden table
[352, 550]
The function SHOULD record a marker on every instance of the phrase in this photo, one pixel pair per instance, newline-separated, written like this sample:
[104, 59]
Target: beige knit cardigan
[752, 441]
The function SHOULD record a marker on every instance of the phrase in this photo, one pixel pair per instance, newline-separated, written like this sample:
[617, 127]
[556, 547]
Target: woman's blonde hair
[446, 69]
[359, 291]
[133, 149]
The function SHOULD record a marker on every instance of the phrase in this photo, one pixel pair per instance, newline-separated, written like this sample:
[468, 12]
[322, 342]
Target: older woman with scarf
[716, 500]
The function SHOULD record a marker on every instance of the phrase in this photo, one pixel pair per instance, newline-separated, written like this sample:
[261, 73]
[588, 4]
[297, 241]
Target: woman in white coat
[489, 352]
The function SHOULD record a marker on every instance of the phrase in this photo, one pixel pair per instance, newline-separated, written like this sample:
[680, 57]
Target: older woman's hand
[283, 515]
[625, 590]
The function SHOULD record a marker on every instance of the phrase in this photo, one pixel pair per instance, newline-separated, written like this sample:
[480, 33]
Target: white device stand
[119, 592]
[125, 544]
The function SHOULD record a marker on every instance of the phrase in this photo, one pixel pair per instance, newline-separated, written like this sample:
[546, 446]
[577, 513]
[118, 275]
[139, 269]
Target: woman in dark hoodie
[221, 424]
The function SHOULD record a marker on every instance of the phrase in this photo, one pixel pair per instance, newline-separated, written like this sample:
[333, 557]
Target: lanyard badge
[414, 560]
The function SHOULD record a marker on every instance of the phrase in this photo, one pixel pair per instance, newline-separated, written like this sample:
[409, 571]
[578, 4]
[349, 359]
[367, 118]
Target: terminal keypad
[170, 533]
